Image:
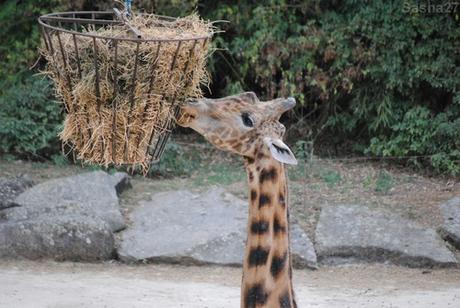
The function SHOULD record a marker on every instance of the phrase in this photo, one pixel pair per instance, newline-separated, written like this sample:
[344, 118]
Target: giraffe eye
[247, 120]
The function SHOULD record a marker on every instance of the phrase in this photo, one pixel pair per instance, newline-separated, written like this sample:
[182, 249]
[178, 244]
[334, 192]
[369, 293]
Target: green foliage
[175, 161]
[59, 160]
[20, 36]
[384, 182]
[373, 72]
[422, 133]
[221, 173]
[356, 68]
[303, 150]
[331, 177]
[29, 119]
[191, 162]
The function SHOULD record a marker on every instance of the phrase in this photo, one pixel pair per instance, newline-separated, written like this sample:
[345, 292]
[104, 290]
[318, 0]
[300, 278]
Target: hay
[115, 123]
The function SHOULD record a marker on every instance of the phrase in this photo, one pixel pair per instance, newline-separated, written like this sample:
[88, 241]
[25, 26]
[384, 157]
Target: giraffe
[243, 125]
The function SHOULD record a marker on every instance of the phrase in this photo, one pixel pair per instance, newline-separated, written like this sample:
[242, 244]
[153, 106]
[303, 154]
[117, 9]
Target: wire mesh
[75, 24]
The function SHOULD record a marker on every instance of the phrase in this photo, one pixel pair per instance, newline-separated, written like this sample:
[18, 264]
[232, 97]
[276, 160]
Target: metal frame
[53, 24]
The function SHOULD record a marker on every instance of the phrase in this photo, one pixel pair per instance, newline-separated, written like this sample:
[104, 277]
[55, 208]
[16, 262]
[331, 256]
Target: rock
[184, 227]
[350, 233]
[450, 229]
[172, 224]
[12, 187]
[93, 194]
[225, 250]
[70, 237]
[121, 181]
[70, 218]
[302, 249]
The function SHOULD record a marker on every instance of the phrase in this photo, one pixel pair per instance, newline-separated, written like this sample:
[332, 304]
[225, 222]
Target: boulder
[92, 193]
[209, 228]
[71, 218]
[354, 233]
[10, 188]
[302, 249]
[70, 237]
[450, 229]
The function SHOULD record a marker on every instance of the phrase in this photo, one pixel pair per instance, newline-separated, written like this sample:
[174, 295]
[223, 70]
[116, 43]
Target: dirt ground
[66, 285]
[415, 196]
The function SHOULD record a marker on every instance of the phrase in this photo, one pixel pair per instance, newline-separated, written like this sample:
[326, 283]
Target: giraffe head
[241, 124]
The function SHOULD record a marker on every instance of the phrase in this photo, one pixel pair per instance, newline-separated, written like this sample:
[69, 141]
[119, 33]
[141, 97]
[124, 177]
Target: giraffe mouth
[189, 112]
[186, 115]
[185, 118]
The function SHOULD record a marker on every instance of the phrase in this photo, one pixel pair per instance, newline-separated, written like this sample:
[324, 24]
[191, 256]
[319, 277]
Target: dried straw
[114, 123]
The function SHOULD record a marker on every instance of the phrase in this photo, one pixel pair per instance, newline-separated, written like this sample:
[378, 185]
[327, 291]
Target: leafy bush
[30, 119]
[373, 72]
[357, 69]
[20, 37]
[176, 161]
[421, 133]
[384, 182]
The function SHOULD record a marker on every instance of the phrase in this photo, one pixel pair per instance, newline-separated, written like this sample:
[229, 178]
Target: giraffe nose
[289, 103]
[196, 104]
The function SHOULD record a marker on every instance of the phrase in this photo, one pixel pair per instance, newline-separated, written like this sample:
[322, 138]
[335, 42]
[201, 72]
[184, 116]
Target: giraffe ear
[280, 151]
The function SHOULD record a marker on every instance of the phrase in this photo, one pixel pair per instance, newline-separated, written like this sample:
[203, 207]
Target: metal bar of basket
[133, 88]
[74, 23]
[98, 89]
[77, 55]
[42, 29]
[161, 144]
[154, 66]
[50, 41]
[64, 61]
[101, 13]
[96, 71]
[114, 102]
[47, 35]
[152, 78]
[173, 64]
[187, 64]
[92, 34]
[80, 20]
[170, 124]
[125, 21]
[88, 129]
[71, 108]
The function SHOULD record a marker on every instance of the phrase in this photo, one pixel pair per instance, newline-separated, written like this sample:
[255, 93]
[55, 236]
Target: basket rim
[62, 17]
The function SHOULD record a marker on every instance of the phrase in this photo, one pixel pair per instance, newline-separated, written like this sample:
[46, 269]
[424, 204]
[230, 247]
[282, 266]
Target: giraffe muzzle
[190, 111]
[289, 103]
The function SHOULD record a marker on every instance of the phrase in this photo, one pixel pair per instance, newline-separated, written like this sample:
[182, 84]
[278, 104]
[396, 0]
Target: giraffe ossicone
[248, 127]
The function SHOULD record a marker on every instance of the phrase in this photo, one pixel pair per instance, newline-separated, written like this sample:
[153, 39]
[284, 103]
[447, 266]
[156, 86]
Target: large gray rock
[302, 249]
[10, 188]
[93, 194]
[70, 218]
[350, 233]
[210, 228]
[450, 229]
[75, 238]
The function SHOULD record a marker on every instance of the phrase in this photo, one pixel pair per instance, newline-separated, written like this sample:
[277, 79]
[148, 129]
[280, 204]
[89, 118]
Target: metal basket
[54, 25]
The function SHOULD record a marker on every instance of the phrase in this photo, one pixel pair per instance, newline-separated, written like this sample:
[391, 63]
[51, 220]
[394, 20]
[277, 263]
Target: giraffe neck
[267, 269]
